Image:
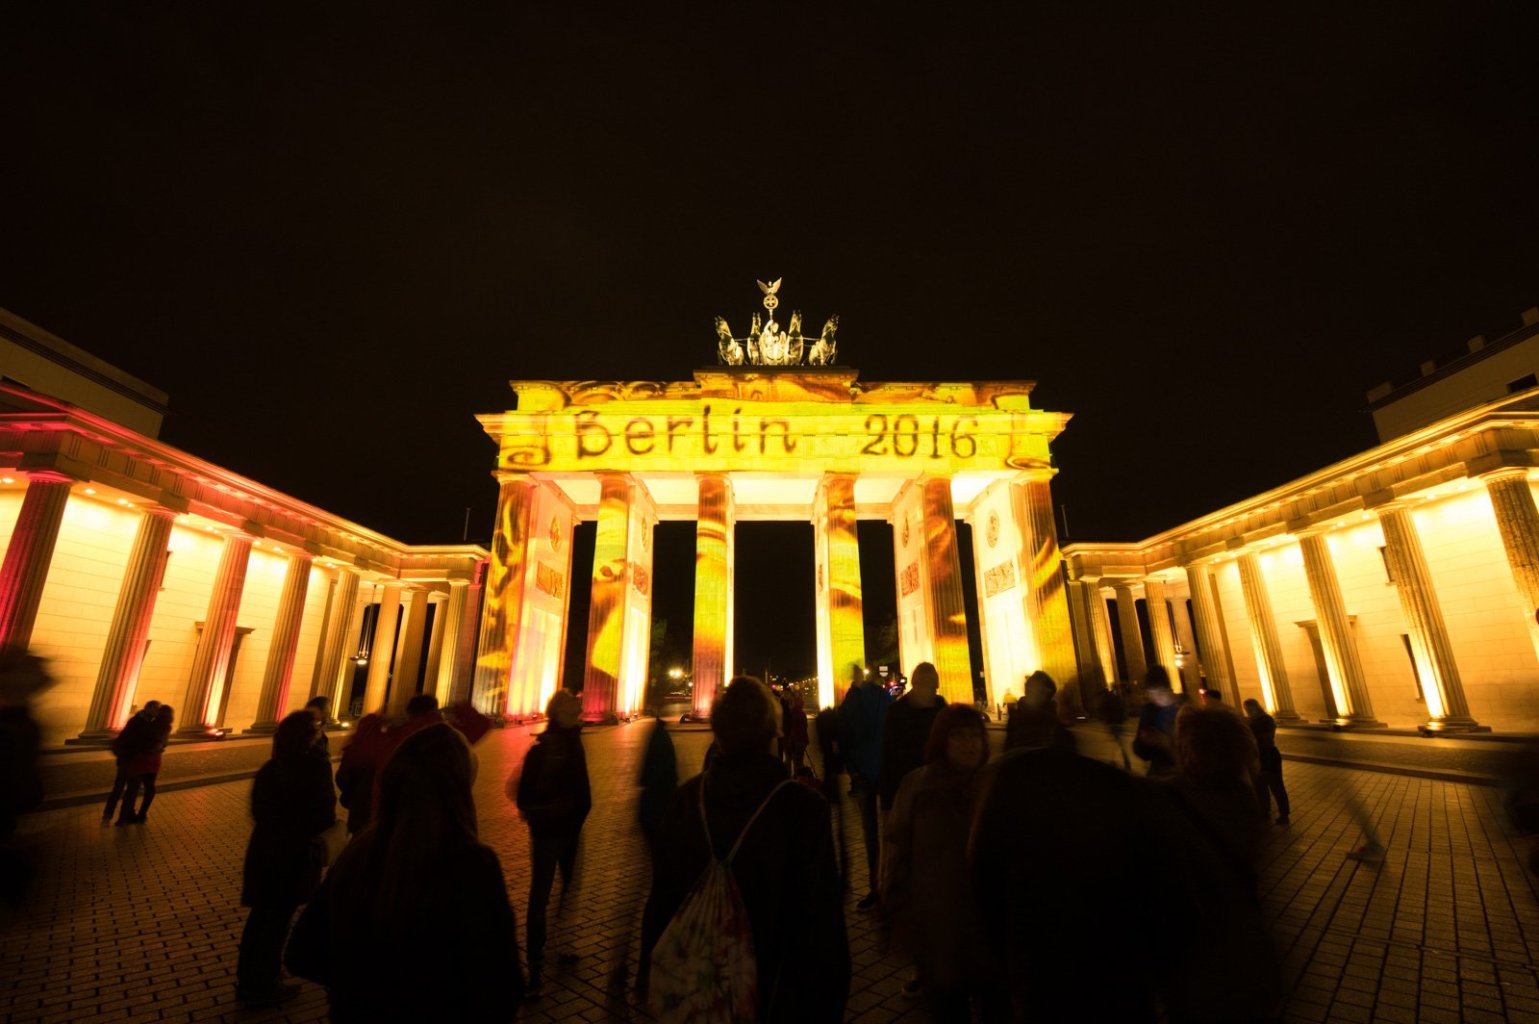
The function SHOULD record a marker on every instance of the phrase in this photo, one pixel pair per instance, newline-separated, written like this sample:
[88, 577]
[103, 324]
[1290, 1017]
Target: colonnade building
[143, 572]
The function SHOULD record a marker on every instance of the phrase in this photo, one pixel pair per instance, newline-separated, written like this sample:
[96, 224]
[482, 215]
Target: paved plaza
[142, 924]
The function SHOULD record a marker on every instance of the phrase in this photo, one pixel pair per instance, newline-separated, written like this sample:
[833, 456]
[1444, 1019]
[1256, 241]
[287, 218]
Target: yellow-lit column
[1132, 636]
[453, 614]
[408, 663]
[435, 649]
[1276, 693]
[1517, 519]
[714, 529]
[28, 556]
[1430, 645]
[1210, 630]
[1100, 621]
[382, 651]
[124, 654]
[273, 700]
[1080, 595]
[1158, 607]
[842, 631]
[943, 580]
[606, 611]
[1191, 666]
[199, 710]
[343, 623]
[502, 603]
[462, 684]
[1047, 607]
[1342, 661]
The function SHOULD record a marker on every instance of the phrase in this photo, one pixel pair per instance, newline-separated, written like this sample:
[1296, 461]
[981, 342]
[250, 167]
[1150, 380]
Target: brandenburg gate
[769, 436]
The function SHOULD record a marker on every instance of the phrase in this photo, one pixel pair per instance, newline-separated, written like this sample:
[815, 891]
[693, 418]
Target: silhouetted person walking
[292, 803]
[143, 767]
[862, 716]
[554, 798]
[1269, 783]
[135, 737]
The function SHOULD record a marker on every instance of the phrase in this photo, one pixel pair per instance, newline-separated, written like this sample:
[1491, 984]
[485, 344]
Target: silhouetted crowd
[1039, 885]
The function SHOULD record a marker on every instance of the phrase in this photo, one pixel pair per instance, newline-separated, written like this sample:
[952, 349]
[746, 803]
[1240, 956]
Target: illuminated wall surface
[740, 445]
[1398, 587]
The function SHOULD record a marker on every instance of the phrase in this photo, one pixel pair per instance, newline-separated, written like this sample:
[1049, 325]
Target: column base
[1445, 726]
[193, 733]
[1348, 724]
[93, 738]
[261, 729]
[1287, 716]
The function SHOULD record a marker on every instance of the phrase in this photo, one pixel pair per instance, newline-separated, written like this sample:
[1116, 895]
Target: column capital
[1503, 472]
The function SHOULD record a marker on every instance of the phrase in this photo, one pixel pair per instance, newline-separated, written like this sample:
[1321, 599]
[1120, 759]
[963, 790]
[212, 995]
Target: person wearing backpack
[745, 888]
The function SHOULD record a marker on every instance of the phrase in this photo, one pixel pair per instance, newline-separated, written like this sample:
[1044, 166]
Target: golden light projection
[773, 441]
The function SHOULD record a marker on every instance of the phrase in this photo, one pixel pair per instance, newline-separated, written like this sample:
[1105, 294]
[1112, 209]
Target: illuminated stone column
[1100, 621]
[462, 683]
[1132, 636]
[1341, 658]
[408, 663]
[453, 614]
[841, 630]
[382, 649]
[273, 700]
[1517, 519]
[118, 675]
[1191, 681]
[1430, 646]
[344, 621]
[714, 597]
[199, 710]
[1210, 631]
[1080, 594]
[28, 556]
[440, 649]
[1157, 604]
[943, 584]
[1047, 607]
[1277, 693]
[503, 599]
[607, 610]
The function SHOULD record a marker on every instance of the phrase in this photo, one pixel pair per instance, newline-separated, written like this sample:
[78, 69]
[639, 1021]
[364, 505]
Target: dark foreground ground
[141, 924]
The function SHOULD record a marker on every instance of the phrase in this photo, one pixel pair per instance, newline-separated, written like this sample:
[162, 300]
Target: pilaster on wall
[1430, 646]
[28, 556]
[118, 676]
[274, 696]
[1342, 660]
[212, 658]
[1270, 667]
[1517, 519]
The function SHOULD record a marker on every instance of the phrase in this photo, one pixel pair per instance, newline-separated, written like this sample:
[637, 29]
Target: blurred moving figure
[1269, 781]
[413, 923]
[862, 717]
[22, 678]
[1155, 735]
[554, 798]
[926, 890]
[1113, 712]
[907, 731]
[361, 760]
[1035, 723]
[292, 803]
[784, 866]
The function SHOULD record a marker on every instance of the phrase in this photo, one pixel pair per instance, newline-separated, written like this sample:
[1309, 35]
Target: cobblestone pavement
[141, 924]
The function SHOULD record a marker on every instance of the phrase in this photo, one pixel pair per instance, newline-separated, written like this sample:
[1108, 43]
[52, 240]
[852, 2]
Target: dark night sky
[333, 233]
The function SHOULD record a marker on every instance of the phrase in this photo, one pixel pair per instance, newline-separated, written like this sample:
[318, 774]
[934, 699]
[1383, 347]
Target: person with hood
[292, 803]
[413, 923]
[361, 760]
[784, 865]
[554, 798]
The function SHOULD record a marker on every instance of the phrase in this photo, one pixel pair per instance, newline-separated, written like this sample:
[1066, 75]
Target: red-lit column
[118, 675]
[200, 709]
[274, 698]
[28, 556]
